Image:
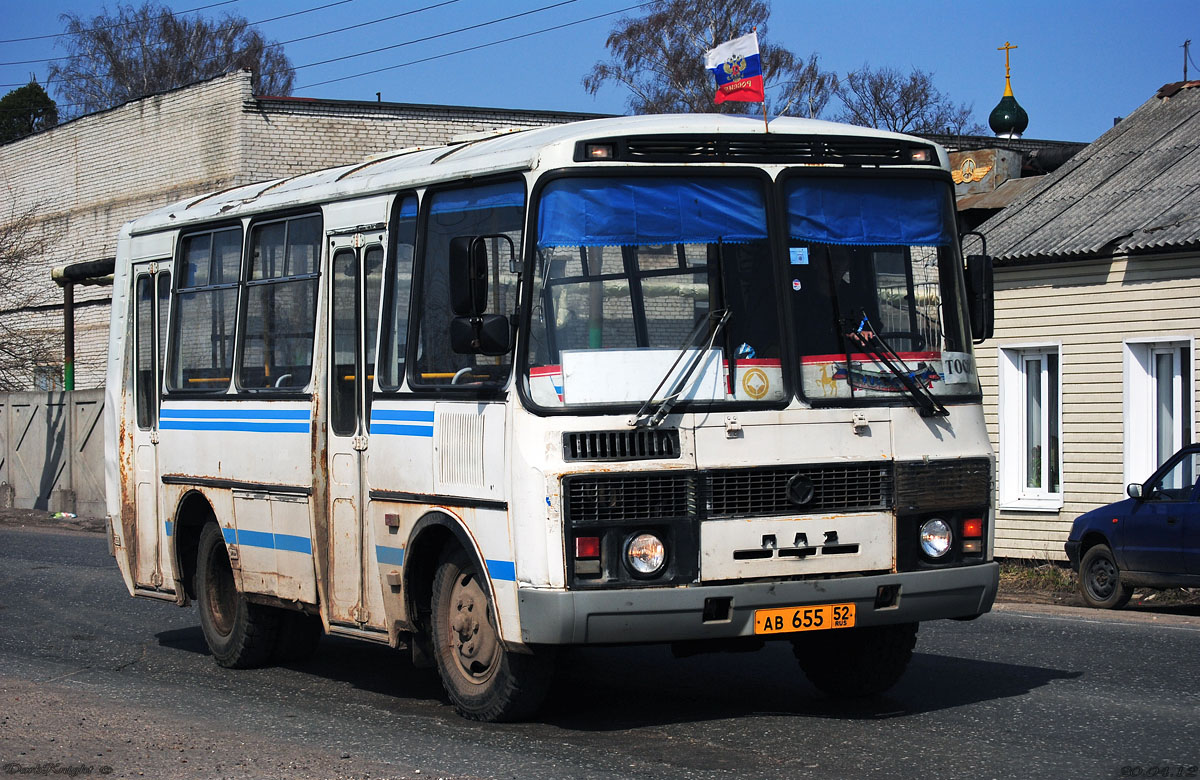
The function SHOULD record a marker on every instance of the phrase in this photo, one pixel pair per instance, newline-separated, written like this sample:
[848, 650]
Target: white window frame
[1015, 494]
[1140, 408]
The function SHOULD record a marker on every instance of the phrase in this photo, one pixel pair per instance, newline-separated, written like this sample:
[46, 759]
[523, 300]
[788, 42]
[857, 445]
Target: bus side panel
[261, 449]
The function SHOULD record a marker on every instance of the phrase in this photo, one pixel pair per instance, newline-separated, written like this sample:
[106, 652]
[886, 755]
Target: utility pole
[1186, 44]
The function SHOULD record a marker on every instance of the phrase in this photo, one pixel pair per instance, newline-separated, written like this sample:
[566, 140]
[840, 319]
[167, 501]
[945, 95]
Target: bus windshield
[633, 271]
[875, 267]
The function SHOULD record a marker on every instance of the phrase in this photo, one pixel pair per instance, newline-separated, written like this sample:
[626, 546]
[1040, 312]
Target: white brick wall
[87, 177]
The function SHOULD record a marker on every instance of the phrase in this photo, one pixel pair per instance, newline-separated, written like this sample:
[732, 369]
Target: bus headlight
[935, 538]
[645, 554]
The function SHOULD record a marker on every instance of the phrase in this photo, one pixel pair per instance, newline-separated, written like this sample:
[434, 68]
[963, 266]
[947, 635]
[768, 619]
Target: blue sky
[1079, 63]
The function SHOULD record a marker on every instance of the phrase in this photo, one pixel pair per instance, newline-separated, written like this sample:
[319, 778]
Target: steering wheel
[461, 374]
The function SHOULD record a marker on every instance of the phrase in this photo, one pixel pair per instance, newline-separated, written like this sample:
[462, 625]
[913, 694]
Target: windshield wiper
[663, 407]
[866, 336]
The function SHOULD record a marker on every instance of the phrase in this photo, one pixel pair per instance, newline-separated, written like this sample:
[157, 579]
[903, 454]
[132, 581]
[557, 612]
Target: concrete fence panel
[52, 451]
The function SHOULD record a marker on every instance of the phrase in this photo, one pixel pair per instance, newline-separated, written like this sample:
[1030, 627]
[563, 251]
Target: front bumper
[559, 617]
[1073, 555]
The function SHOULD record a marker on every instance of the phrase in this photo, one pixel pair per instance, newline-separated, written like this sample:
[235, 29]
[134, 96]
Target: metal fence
[52, 451]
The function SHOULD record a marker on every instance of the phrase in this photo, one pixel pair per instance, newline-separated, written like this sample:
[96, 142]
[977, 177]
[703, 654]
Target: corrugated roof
[1136, 188]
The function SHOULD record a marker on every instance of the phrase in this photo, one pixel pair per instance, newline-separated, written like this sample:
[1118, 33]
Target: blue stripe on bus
[385, 429]
[269, 541]
[406, 415]
[235, 413]
[248, 426]
[170, 528]
[502, 570]
[393, 556]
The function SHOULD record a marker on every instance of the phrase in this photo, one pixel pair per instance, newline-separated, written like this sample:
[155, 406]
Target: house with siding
[1090, 380]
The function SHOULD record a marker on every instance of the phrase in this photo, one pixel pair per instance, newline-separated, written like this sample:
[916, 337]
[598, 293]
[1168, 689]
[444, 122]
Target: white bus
[666, 379]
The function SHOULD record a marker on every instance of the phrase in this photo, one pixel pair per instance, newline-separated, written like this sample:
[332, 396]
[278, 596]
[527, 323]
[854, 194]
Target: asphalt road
[94, 683]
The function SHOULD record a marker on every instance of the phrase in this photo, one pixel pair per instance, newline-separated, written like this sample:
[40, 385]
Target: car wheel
[240, 635]
[483, 679]
[1100, 579]
[856, 662]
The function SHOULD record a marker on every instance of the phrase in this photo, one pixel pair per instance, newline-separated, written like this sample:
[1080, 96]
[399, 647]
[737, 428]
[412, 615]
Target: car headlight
[645, 554]
[936, 538]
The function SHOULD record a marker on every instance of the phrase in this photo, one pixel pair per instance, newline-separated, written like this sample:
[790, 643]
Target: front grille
[943, 484]
[834, 488]
[638, 444]
[782, 148]
[629, 498]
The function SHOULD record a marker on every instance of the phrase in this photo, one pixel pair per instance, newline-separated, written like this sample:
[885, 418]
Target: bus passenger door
[356, 271]
[151, 291]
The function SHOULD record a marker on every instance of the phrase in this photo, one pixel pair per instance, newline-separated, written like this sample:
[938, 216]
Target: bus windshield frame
[768, 352]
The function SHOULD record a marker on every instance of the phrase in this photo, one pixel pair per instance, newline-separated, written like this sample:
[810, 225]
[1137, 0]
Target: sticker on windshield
[957, 367]
[796, 285]
[799, 255]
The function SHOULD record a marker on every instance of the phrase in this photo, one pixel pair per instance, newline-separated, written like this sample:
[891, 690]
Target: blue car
[1151, 538]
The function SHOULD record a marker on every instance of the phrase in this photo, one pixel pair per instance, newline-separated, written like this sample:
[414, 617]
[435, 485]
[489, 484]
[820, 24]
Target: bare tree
[659, 58]
[886, 99]
[141, 50]
[22, 348]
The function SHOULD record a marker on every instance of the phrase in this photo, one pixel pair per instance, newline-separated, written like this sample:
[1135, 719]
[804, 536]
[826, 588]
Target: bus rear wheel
[856, 662]
[483, 679]
[240, 635]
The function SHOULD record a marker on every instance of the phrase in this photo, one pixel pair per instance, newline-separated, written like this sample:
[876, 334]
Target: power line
[434, 37]
[111, 26]
[480, 46]
[427, 38]
[250, 24]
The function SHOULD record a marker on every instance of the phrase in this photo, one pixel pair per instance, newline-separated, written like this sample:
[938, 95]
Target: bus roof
[481, 154]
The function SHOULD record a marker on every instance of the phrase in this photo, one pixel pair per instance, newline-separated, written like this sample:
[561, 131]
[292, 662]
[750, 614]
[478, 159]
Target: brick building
[85, 178]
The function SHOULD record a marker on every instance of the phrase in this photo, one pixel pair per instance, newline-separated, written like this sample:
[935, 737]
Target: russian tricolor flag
[738, 70]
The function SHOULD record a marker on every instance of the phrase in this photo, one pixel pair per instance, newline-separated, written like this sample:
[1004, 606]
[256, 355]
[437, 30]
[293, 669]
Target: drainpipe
[67, 276]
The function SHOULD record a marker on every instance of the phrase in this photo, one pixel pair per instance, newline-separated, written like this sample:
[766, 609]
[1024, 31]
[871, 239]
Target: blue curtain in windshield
[866, 212]
[620, 212]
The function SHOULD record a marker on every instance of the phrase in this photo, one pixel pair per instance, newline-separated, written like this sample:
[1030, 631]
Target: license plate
[815, 618]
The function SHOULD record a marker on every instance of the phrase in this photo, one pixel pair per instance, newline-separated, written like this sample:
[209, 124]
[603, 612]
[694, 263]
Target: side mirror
[1134, 490]
[981, 297]
[487, 334]
[468, 276]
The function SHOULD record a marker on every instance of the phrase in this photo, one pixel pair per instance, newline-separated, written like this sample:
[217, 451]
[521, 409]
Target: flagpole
[766, 124]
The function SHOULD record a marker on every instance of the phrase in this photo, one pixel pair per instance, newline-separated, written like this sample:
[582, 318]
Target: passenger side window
[200, 358]
[281, 304]
[398, 294]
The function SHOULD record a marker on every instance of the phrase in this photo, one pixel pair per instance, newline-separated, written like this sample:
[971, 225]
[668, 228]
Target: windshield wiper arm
[866, 336]
[664, 406]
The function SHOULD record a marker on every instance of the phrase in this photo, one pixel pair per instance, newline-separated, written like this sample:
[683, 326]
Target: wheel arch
[192, 513]
[1092, 538]
[427, 542]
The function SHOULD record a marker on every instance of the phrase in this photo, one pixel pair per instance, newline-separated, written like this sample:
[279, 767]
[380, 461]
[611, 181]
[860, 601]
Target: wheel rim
[1102, 578]
[474, 645]
[221, 593]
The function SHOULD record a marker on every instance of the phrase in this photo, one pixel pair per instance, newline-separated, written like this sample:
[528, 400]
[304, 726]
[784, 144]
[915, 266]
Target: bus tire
[299, 635]
[483, 680]
[240, 635]
[856, 662]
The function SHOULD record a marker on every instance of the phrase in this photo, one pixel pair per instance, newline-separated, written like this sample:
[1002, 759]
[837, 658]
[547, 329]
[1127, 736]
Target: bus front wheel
[483, 679]
[240, 635]
[856, 662]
